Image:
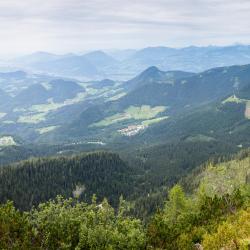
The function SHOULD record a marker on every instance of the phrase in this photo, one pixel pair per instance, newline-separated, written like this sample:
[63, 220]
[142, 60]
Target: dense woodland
[206, 208]
[142, 176]
[37, 180]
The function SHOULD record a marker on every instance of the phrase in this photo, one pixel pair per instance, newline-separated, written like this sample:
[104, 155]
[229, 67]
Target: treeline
[144, 180]
[21, 152]
[31, 182]
[185, 223]
[216, 215]
[166, 164]
[218, 222]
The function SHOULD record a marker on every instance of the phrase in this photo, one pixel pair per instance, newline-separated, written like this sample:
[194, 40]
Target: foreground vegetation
[68, 224]
[185, 222]
[213, 214]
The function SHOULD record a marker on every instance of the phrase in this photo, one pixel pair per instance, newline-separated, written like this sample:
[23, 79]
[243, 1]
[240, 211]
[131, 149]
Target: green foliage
[176, 205]
[165, 165]
[69, 224]
[15, 229]
[37, 180]
[186, 221]
[214, 215]
[213, 220]
[234, 233]
[218, 197]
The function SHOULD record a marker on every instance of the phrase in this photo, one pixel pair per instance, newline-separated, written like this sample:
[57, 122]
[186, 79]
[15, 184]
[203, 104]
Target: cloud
[77, 25]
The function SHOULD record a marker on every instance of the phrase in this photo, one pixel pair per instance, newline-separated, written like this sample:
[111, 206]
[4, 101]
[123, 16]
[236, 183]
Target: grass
[198, 138]
[51, 106]
[153, 121]
[38, 112]
[32, 118]
[46, 85]
[8, 122]
[92, 91]
[7, 141]
[2, 115]
[45, 130]
[108, 93]
[234, 99]
[144, 112]
[19, 110]
[116, 97]
[225, 177]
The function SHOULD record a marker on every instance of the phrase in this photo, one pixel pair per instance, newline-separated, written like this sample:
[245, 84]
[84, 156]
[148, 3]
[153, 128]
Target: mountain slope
[33, 181]
[193, 59]
[13, 75]
[100, 59]
[4, 97]
[72, 65]
[15, 82]
[151, 98]
[35, 94]
[103, 84]
[98, 64]
[154, 75]
[190, 90]
[35, 58]
[222, 178]
[225, 121]
[59, 90]
[155, 100]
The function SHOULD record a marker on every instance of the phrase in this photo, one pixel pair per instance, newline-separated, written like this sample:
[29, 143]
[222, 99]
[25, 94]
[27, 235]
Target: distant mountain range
[156, 97]
[33, 104]
[14, 82]
[193, 59]
[150, 106]
[125, 64]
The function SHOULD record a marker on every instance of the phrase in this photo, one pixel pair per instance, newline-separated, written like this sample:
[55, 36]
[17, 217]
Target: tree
[176, 205]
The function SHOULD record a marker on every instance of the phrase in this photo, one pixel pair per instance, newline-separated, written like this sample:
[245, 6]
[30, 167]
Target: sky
[63, 26]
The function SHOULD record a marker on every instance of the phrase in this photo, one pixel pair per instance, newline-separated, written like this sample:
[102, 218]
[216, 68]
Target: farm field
[144, 112]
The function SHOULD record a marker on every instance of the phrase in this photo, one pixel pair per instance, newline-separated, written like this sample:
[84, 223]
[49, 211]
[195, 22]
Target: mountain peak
[14, 74]
[42, 53]
[96, 53]
[151, 71]
[100, 58]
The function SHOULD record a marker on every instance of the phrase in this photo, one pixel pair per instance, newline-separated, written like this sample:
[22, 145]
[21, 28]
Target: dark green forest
[142, 176]
[63, 203]
[37, 180]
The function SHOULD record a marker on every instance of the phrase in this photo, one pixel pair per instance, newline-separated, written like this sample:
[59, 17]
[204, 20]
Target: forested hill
[214, 216]
[37, 180]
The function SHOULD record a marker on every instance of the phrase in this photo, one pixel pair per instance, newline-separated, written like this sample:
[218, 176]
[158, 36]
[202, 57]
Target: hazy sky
[78, 25]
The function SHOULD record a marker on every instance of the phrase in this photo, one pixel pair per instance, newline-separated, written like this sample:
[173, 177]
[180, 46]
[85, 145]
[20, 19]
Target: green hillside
[37, 180]
[214, 216]
[181, 98]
